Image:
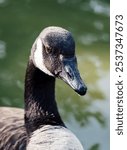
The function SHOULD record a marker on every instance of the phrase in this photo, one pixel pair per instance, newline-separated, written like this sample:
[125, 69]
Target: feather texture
[54, 138]
[12, 131]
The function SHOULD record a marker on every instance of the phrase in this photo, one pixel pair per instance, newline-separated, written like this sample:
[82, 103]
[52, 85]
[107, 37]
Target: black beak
[71, 76]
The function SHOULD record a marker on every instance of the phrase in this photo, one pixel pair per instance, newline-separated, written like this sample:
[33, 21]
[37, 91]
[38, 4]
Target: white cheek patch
[38, 58]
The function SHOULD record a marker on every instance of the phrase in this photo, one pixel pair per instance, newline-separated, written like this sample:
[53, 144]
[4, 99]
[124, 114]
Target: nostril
[70, 76]
[69, 73]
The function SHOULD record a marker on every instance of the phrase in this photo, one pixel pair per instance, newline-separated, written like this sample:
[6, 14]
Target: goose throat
[40, 105]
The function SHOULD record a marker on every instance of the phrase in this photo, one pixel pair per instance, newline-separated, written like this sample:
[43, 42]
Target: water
[20, 24]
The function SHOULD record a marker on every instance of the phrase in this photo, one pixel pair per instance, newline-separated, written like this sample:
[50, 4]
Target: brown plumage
[12, 130]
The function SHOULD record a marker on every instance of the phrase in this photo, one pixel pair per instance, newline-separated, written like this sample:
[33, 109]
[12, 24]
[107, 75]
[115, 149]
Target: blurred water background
[88, 20]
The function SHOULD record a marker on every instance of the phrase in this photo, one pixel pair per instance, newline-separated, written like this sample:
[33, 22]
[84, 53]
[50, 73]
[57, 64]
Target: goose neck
[40, 105]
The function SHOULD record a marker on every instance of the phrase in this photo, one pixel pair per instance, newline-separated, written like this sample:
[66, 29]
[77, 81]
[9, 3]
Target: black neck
[40, 104]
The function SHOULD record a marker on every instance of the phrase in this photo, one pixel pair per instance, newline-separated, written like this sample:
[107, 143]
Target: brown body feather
[12, 130]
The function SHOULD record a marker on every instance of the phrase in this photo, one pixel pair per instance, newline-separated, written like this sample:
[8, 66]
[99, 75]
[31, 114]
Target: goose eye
[48, 50]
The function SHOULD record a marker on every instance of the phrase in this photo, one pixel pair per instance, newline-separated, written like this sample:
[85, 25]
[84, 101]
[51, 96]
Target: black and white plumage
[40, 126]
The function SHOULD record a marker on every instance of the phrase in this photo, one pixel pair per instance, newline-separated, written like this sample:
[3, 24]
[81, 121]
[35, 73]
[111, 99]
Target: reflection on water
[98, 25]
[21, 22]
[99, 7]
[2, 49]
[2, 1]
[89, 39]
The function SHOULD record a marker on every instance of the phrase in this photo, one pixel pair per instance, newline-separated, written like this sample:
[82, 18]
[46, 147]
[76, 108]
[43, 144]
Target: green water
[20, 24]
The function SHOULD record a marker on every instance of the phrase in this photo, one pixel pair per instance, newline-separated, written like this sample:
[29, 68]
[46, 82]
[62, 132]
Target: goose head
[54, 53]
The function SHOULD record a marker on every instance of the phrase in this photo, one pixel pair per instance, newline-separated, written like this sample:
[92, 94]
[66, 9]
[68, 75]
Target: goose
[39, 126]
